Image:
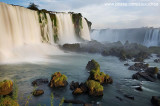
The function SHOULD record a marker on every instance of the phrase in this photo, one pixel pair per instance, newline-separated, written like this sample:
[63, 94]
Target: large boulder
[155, 101]
[58, 80]
[74, 85]
[72, 47]
[38, 92]
[152, 70]
[94, 88]
[92, 65]
[6, 87]
[143, 76]
[40, 81]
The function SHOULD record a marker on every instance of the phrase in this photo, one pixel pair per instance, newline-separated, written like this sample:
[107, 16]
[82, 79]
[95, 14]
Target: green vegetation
[62, 101]
[8, 101]
[33, 6]
[77, 21]
[95, 88]
[52, 99]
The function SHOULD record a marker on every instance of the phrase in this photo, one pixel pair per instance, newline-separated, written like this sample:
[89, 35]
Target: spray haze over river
[31, 48]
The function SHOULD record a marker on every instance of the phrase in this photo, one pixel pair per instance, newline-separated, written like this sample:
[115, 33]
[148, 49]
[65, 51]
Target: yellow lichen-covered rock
[58, 80]
[94, 88]
[6, 87]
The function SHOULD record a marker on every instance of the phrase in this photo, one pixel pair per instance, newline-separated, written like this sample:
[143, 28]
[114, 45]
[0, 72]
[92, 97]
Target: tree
[33, 6]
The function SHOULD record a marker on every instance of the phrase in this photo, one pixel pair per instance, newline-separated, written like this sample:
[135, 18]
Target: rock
[119, 98]
[94, 88]
[92, 65]
[83, 87]
[38, 92]
[143, 75]
[158, 75]
[126, 64]
[129, 97]
[157, 60]
[6, 87]
[58, 80]
[138, 59]
[155, 101]
[139, 67]
[86, 104]
[73, 101]
[40, 81]
[139, 88]
[77, 91]
[72, 47]
[74, 85]
[96, 75]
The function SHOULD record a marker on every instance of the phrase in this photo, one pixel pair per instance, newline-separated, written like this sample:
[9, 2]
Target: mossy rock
[93, 65]
[100, 77]
[7, 101]
[6, 87]
[58, 80]
[94, 88]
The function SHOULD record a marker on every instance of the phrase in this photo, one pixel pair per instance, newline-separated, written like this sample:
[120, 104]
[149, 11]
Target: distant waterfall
[152, 37]
[24, 28]
[146, 36]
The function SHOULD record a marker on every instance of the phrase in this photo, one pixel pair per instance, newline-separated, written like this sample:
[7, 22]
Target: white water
[146, 36]
[85, 34]
[23, 37]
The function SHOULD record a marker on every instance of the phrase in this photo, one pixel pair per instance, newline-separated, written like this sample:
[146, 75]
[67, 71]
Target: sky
[105, 13]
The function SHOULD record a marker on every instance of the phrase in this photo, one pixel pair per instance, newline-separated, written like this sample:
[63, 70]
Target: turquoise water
[73, 66]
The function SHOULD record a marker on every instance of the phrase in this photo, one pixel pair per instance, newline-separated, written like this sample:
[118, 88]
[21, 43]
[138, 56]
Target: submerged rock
[40, 81]
[129, 97]
[155, 101]
[72, 47]
[139, 67]
[58, 80]
[94, 88]
[158, 75]
[73, 101]
[6, 87]
[126, 64]
[157, 60]
[38, 92]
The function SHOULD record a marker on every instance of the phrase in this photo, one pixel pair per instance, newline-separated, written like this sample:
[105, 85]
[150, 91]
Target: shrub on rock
[58, 80]
[38, 92]
[6, 87]
[94, 88]
[77, 91]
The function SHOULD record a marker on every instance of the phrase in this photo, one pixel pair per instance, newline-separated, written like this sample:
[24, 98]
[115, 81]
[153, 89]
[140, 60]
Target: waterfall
[66, 31]
[152, 37]
[146, 36]
[85, 34]
[26, 32]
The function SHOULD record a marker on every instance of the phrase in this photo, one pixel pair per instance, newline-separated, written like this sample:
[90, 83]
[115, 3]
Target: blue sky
[101, 15]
